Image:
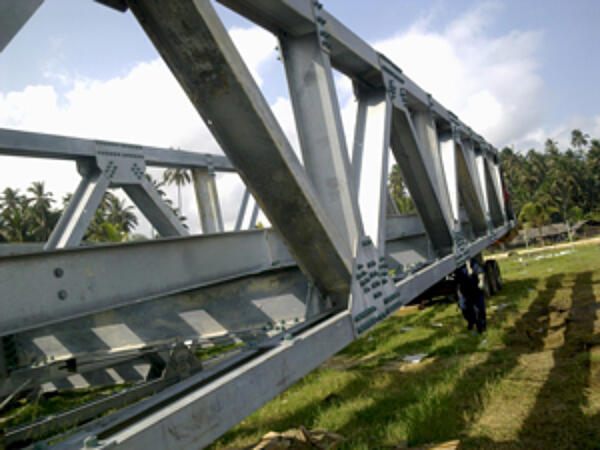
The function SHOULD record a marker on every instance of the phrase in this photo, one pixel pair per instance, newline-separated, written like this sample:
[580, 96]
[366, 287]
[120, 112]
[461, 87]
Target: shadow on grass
[372, 402]
[452, 413]
[443, 415]
[557, 419]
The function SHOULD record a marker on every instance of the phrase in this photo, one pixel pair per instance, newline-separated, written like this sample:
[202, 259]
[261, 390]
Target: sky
[516, 71]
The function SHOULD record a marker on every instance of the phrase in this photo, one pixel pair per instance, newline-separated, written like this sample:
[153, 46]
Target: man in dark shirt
[471, 279]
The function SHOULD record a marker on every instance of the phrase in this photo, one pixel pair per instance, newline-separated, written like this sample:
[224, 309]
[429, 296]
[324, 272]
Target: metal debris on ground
[499, 307]
[298, 439]
[450, 445]
[553, 255]
[416, 358]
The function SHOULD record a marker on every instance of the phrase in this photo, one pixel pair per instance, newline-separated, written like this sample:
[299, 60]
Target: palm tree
[10, 198]
[551, 146]
[14, 207]
[593, 174]
[40, 212]
[400, 192]
[106, 232]
[578, 139]
[179, 177]
[119, 214]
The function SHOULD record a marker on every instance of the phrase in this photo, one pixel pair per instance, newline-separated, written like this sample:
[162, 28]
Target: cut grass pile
[532, 381]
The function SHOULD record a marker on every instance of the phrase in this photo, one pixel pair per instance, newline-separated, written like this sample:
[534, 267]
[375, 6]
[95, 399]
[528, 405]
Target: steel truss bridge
[338, 259]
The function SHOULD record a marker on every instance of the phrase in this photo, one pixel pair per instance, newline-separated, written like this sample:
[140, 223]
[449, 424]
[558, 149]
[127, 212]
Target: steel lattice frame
[296, 294]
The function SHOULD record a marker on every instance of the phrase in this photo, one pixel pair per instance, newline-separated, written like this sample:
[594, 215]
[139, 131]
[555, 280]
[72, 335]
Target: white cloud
[145, 106]
[256, 46]
[490, 82]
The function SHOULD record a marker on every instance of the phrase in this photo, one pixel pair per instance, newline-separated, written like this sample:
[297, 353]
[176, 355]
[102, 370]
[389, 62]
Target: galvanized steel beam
[74, 222]
[320, 131]
[207, 198]
[159, 214]
[190, 420]
[370, 160]
[90, 279]
[40, 145]
[493, 197]
[242, 210]
[91, 302]
[13, 15]
[349, 53]
[408, 155]
[206, 63]
[246, 308]
[426, 130]
[469, 187]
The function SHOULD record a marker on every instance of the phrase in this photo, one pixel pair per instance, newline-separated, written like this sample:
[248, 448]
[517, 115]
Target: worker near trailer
[471, 279]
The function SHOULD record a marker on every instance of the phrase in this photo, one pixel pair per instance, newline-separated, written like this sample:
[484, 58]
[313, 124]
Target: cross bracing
[338, 260]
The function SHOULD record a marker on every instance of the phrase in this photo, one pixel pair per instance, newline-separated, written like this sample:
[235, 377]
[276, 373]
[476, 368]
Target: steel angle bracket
[373, 293]
[121, 166]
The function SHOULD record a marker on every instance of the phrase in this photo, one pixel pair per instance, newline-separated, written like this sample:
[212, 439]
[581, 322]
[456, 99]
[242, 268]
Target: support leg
[320, 131]
[254, 216]
[158, 213]
[418, 178]
[208, 201]
[74, 222]
[370, 161]
[242, 211]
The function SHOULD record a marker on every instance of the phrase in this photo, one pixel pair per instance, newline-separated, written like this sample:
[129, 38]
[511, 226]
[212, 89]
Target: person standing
[471, 280]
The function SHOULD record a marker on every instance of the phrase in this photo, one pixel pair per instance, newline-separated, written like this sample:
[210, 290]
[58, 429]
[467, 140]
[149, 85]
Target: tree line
[554, 185]
[31, 216]
[548, 186]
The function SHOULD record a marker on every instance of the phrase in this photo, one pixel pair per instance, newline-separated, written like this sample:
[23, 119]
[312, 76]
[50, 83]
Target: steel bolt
[62, 294]
[58, 272]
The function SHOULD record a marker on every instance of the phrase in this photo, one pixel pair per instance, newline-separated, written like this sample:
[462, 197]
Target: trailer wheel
[497, 275]
[490, 278]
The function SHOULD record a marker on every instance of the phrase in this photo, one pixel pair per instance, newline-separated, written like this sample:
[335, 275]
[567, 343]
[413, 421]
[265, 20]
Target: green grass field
[532, 381]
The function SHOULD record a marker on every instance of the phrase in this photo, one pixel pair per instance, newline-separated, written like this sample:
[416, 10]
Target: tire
[497, 275]
[490, 278]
